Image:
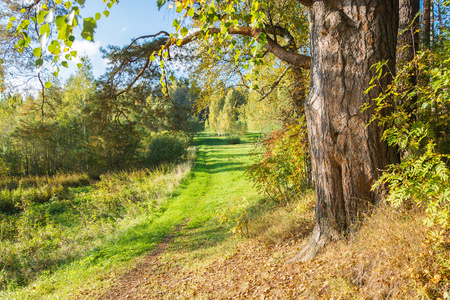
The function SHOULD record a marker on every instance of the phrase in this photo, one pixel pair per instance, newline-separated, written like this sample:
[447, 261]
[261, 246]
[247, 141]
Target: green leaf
[160, 3]
[45, 29]
[81, 2]
[37, 52]
[89, 26]
[191, 12]
[184, 31]
[79, 65]
[106, 13]
[97, 16]
[63, 28]
[41, 16]
[152, 57]
[172, 78]
[48, 85]
[64, 64]
[39, 62]
[54, 47]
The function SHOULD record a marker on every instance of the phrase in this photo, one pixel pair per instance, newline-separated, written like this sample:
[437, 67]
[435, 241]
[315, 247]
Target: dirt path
[127, 287]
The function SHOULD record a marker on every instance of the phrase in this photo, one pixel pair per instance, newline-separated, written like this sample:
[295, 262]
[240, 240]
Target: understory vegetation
[48, 222]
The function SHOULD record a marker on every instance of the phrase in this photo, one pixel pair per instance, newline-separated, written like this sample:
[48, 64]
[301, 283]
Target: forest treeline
[78, 128]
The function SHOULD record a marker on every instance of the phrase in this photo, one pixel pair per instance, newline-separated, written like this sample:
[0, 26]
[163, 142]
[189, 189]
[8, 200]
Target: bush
[419, 127]
[166, 148]
[195, 125]
[233, 139]
[283, 170]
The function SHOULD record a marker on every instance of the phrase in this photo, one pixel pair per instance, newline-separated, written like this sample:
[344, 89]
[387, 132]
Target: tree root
[317, 241]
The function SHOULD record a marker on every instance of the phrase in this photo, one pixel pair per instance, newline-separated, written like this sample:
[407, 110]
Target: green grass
[216, 191]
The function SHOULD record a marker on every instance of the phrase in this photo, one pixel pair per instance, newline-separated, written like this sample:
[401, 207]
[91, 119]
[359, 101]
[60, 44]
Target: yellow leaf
[436, 278]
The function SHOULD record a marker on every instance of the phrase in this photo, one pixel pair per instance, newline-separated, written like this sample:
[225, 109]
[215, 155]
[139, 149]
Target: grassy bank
[44, 237]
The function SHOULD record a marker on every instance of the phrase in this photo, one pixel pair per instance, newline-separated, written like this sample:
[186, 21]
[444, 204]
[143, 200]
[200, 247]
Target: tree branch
[271, 46]
[145, 37]
[289, 57]
[308, 3]
[274, 85]
[147, 63]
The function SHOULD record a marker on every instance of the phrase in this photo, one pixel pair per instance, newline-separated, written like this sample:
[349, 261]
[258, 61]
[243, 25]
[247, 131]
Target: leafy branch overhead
[221, 24]
[53, 24]
[212, 20]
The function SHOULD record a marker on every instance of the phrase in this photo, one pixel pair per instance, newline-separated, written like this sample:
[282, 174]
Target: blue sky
[128, 19]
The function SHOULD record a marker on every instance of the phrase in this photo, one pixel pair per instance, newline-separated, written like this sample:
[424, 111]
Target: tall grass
[18, 192]
[38, 236]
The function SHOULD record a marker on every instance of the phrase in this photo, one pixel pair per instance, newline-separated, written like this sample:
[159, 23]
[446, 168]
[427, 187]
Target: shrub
[419, 127]
[233, 139]
[282, 171]
[166, 148]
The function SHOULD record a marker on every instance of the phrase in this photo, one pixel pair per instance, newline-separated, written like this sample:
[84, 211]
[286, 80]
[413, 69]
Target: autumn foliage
[281, 163]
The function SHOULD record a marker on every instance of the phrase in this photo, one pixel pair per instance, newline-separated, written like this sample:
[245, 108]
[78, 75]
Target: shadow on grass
[194, 239]
[213, 140]
[144, 237]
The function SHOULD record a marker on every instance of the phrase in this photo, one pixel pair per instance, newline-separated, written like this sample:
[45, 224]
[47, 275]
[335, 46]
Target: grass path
[216, 190]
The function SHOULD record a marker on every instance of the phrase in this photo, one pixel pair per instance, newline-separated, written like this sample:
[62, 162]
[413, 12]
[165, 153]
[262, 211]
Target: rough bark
[408, 39]
[407, 46]
[426, 23]
[347, 38]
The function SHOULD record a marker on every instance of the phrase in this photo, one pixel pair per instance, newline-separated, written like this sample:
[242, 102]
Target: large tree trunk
[426, 29]
[407, 46]
[408, 39]
[347, 38]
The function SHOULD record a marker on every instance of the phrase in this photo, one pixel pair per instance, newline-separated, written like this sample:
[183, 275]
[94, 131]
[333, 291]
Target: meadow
[50, 222]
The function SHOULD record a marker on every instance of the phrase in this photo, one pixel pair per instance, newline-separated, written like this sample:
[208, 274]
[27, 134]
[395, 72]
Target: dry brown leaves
[384, 260]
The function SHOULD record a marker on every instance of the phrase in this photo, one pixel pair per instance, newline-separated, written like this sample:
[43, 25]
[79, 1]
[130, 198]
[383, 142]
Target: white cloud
[124, 29]
[89, 49]
[105, 62]
[86, 48]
